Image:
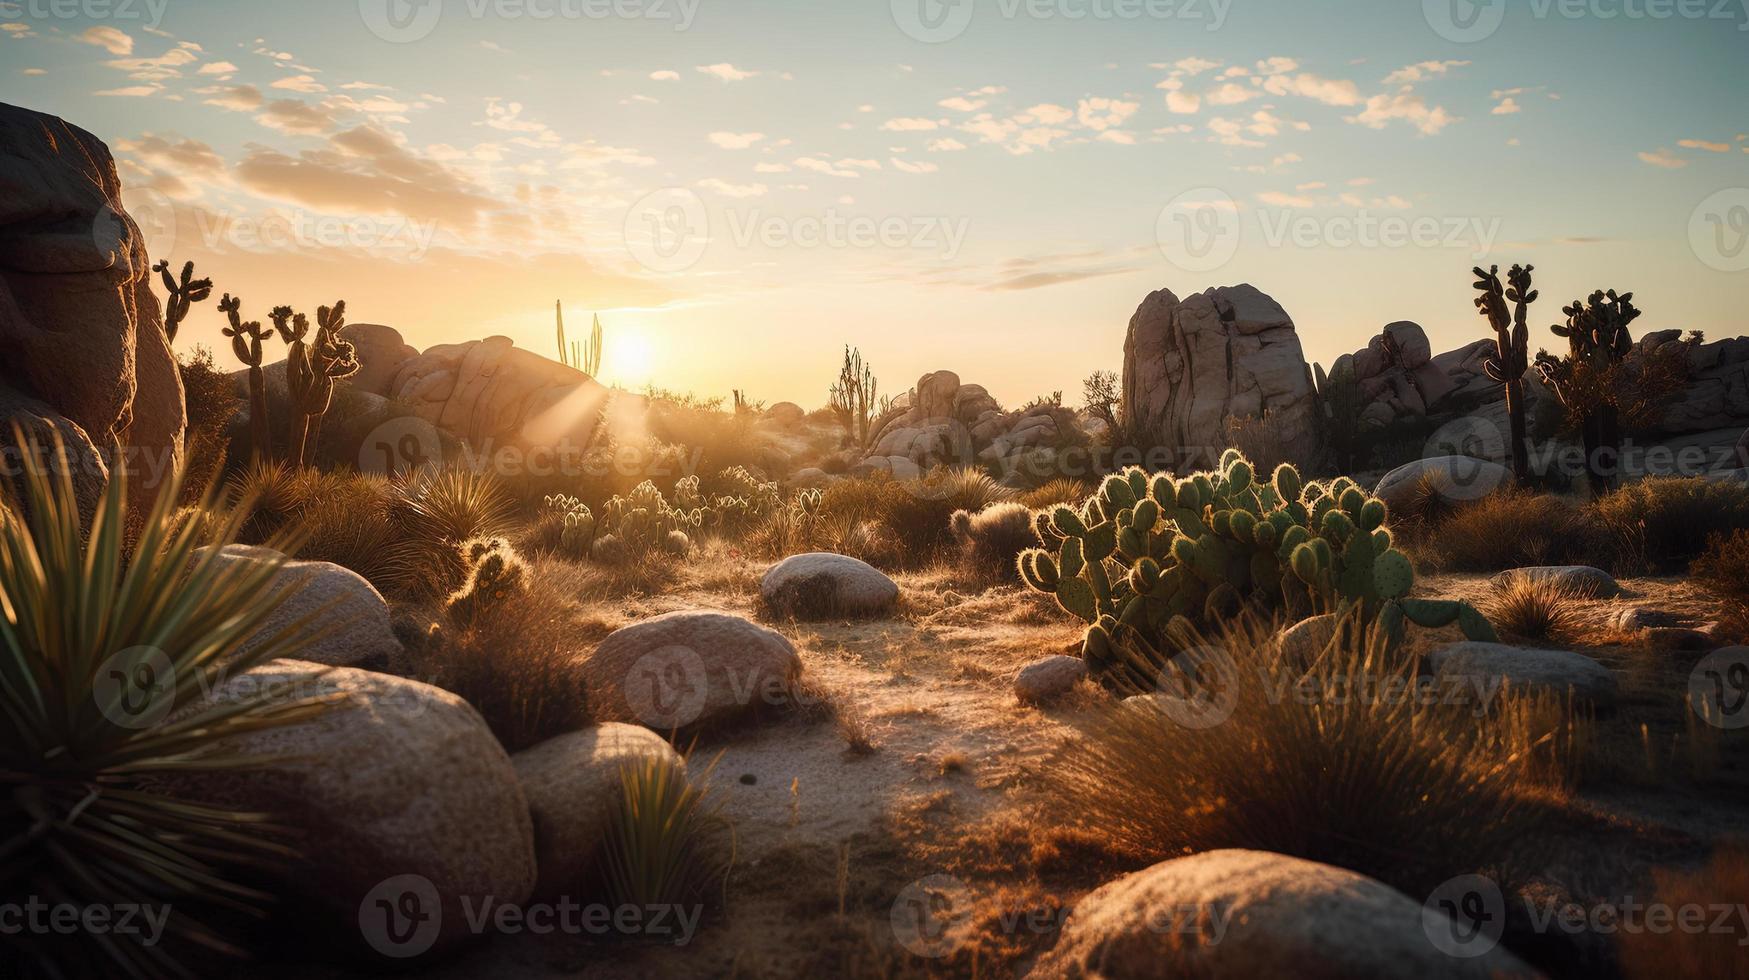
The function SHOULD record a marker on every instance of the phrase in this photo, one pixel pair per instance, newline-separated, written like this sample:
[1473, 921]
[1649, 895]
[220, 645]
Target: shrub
[993, 538]
[1724, 566]
[1661, 524]
[496, 574]
[210, 401]
[1062, 490]
[660, 847]
[82, 818]
[1540, 610]
[1401, 788]
[915, 514]
[1508, 529]
[1713, 952]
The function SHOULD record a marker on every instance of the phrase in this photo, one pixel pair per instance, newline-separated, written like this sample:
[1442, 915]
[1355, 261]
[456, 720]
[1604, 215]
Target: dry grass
[1510, 529]
[911, 517]
[1660, 525]
[1681, 952]
[992, 539]
[1062, 490]
[1539, 610]
[1407, 792]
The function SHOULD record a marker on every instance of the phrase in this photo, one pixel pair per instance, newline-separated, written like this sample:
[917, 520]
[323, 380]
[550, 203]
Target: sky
[740, 188]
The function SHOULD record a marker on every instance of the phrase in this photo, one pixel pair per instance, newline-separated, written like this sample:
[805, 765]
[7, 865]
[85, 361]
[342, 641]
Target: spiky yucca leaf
[81, 625]
[660, 847]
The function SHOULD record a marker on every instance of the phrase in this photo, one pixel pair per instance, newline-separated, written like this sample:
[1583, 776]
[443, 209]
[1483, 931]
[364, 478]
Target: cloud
[735, 141]
[1507, 107]
[17, 30]
[1100, 114]
[1122, 137]
[237, 98]
[665, 76]
[1183, 103]
[1195, 66]
[1048, 114]
[132, 91]
[109, 39]
[910, 124]
[296, 117]
[217, 68]
[723, 187]
[960, 103]
[365, 170]
[771, 168]
[1232, 93]
[920, 167]
[1329, 91]
[32, 71]
[946, 145]
[1277, 66]
[1231, 132]
[300, 83]
[187, 156]
[825, 167]
[1663, 158]
[1704, 145]
[1426, 69]
[1277, 199]
[1381, 110]
[726, 72]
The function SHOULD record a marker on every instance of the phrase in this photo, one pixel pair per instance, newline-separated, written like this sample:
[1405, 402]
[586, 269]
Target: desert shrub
[915, 514]
[1062, 490]
[1647, 954]
[445, 507]
[663, 842]
[992, 539]
[1325, 764]
[209, 398]
[1724, 566]
[1540, 610]
[340, 517]
[83, 819]
[495, 575]
[515, 661]
[1266, 440]
[1508, 529]
[1661, 524]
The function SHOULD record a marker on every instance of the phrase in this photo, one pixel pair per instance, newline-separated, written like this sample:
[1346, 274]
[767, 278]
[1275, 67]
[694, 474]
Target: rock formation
[1227, 353]
[945, 422]
[82, 345]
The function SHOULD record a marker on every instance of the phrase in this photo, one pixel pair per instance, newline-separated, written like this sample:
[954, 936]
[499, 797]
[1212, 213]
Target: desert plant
[1542, 610]
[585, 357]
[1661, 524]
[854, 398]
[246, 338]
[312, 370]
[1100, 394]
[1339, 408]
[661, 847]
[1062, 490]
[915, 514]
[1511, 357]
[496, 574]
[1597, 342]
[1397, 786]
[445, 507]
[992, 539]
[103, 667]
[210, 403]
[182, 295]
[1510, 528]
[1148, 557]
[1712, 952]
[641, 523]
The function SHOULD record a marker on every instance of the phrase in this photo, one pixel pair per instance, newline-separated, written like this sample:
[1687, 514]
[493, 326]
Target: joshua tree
[246, 338]
[312, 374]
[1511, 357]
[1598, 342]
[583, 357]
[853, 398]
[182, 294]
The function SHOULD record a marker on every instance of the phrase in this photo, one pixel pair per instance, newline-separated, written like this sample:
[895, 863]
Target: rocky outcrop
[1048, 678]
[1227, 353]
[942, 422]
[82, 344]
[1717, 396]
[490, 392]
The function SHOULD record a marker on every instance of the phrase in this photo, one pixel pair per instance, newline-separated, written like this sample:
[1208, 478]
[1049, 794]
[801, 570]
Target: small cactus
[246, 337]
[313, 371]
[496, 573]
[182, 295]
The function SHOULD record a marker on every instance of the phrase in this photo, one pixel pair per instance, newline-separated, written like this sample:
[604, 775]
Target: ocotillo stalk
[1511, 357]
[246, 338]
[559, 315]
[331, 359]
[591, 359]
[189, 291]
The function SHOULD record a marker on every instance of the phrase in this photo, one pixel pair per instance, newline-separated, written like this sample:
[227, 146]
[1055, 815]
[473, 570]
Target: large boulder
[822, 584]
[1717, 393]
[380, 352]
[574, 784]
[1458, 479]
[350, 612]
[944, 422]
[82, 344]
[1582, 580]
[1228, 353]
[1242, 914]
[403, 797]
[1048, 678]
[1559, 671]
[689, 668]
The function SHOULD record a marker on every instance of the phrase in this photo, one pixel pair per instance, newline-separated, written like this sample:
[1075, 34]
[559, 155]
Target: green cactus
[643, 522]
[495, 574]
[1145, 557]
[577, 524]
[313, 373]
[246, 337]
[182, 295]
[1511, 357]
[1597, 338]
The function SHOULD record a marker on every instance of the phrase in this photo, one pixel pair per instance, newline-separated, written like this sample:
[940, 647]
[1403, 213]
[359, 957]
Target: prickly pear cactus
[495, 574]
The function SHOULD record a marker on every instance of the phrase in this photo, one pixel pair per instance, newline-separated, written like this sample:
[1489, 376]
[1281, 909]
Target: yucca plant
[103, 660]
[662, 842]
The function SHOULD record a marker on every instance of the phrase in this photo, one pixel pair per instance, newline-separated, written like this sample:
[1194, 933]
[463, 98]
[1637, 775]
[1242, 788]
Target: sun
[629, 356]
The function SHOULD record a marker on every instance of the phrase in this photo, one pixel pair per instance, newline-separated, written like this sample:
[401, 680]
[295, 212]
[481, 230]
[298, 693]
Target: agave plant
[104, 660]
[660, 846]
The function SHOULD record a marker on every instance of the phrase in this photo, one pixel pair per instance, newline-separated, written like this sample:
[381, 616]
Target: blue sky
[741, 188]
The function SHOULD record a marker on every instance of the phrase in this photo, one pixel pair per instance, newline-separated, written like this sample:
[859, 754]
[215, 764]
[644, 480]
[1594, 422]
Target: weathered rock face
[82, 345]
[330, 597]
[380, 351]
[1717, 396]
[1191, 365]
[945, 422]
[492, 392]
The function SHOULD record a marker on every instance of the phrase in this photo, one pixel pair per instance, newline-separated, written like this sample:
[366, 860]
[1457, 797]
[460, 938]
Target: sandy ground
[825, 836]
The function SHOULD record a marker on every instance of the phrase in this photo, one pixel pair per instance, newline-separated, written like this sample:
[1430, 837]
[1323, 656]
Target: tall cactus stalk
[1598, 341]
[585, 357]
[1511, 357]
[246, 338]
[313, 375]
[182, 294]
